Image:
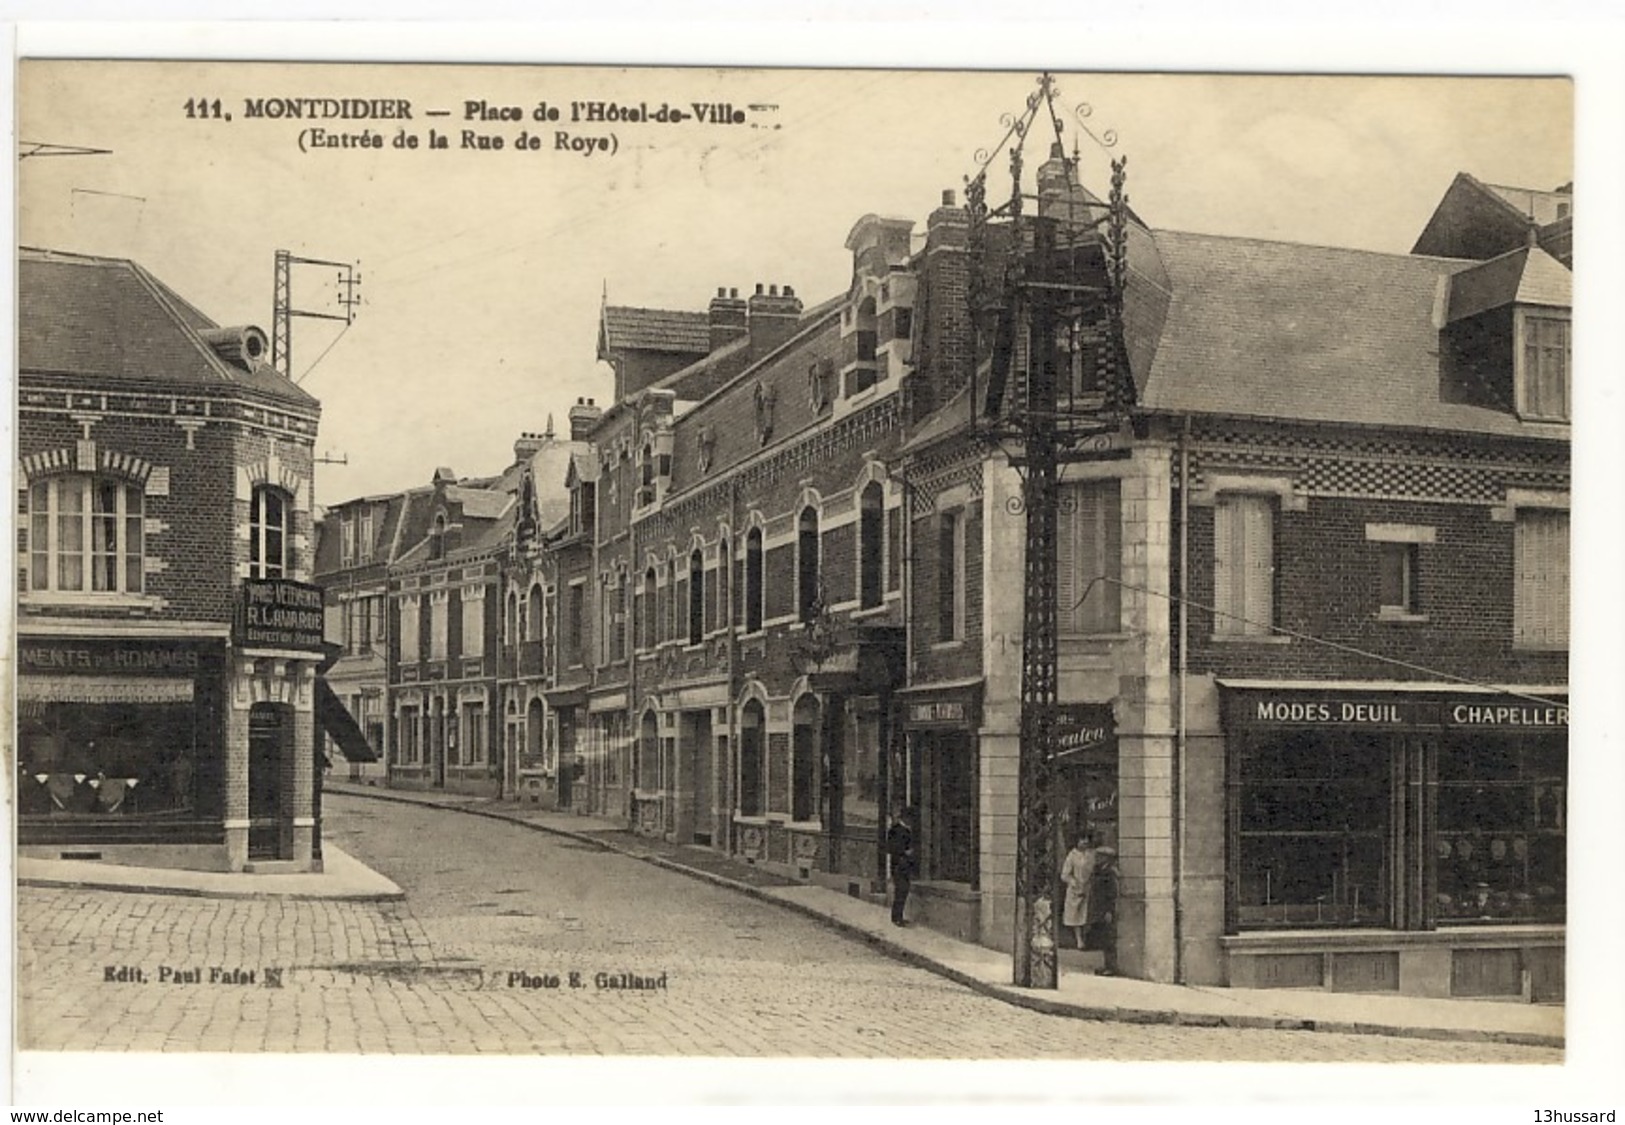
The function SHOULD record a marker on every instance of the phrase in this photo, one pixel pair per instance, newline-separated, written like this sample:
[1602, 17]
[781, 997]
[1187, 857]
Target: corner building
[169, 641]
[1313, 588]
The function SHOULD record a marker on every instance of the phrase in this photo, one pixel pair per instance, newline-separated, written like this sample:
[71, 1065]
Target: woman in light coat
[1078, 873]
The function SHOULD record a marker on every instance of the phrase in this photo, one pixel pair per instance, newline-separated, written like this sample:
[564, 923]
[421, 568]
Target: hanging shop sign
[1084, 732]
[282, 614]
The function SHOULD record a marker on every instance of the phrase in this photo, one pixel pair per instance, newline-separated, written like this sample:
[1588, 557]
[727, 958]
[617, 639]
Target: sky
[483, 271]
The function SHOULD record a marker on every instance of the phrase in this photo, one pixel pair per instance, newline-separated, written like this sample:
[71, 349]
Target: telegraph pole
[1036, 279]
[283, 310]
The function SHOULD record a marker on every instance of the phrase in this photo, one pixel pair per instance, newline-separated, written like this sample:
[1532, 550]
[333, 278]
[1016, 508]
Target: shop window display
[106, 760]
[1313, 830]
[1499, 853]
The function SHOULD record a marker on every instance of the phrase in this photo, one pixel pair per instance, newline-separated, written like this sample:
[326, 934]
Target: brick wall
[1327, 586]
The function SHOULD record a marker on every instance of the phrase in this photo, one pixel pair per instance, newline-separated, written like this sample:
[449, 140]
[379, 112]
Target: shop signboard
[279, 613]
[1264, 708]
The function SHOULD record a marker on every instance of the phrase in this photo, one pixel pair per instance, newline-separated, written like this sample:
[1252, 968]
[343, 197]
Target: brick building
[1313, 612]
[168, 641]
[356, 541]
[1313, 590]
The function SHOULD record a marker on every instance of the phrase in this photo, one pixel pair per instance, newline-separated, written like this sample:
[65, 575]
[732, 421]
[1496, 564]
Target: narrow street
[512, 941]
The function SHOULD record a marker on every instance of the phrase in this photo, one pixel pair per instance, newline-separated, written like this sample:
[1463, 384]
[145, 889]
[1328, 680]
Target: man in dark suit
[900, 847]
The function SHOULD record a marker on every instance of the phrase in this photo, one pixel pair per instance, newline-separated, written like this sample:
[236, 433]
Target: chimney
[774, 318]
[729, 319]
[245, 347]
[947, 226]
[584, 416]
[529, 444]
[878, 245]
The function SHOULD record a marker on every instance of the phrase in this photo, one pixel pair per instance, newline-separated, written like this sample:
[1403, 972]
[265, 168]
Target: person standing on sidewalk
[1078, 873]
[1103, 910]
[900, 849]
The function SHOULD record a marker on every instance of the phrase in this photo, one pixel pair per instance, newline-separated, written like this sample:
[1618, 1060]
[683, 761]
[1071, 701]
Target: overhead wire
[1466, 681]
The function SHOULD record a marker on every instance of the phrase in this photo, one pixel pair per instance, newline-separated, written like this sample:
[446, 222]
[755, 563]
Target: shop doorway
[943, 781]
[270, 744]
[697, 760]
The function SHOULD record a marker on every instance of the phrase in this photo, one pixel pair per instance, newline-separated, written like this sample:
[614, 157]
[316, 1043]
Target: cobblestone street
[508, 942]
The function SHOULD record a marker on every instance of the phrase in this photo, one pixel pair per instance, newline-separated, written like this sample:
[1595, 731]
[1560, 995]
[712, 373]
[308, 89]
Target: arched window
[751, 738]
[753, 580]
[804, 759]
[647, 775]
[437, 538]
[513, 618]
[669, 624]
[871, 545]
[535, 607]
[696, 597]
[269, 513]
[85, 534]
[724, 601]
[650, 636]
[807, 600]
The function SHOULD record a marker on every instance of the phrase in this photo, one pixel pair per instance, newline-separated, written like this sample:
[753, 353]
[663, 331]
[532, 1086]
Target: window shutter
[1068, 586]
[1225, 566]
[1258, 544]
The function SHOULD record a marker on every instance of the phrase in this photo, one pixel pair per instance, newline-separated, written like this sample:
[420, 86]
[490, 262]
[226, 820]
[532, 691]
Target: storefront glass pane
[1313, 829]
[106, 759]
[860, 799]
[1499, 853]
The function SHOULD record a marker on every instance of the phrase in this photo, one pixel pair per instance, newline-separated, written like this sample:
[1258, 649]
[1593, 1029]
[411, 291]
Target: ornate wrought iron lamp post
[1036, 279]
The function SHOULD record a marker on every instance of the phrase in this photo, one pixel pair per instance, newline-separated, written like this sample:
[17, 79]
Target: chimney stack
[529, 444]
[774, 318]
[729, 319]
[584, 416]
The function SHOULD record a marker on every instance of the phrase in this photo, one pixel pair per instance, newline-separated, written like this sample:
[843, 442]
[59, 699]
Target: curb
[1005, 993]
[201, 892]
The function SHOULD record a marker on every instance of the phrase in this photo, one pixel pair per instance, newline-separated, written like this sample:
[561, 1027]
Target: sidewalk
[342, 877]
[988, 971]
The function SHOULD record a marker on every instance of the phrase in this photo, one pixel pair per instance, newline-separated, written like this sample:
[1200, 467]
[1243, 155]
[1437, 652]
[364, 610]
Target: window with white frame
[439, 611]
[1243, 565]
[1399, 567]
[473, 715]
[85, 535]
[1540, 592]
[407, 736]
[871, 545]
[474, 623]
[347, 532]
[411, 632]
[270, 512]
[363, 545]
[1543, 370]
[1089, 558]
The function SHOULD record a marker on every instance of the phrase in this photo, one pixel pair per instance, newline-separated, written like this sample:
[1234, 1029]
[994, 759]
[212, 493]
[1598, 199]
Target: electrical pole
[283, 310]
[1036, 279]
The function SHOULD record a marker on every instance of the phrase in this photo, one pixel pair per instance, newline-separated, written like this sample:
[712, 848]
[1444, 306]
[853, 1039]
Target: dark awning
[335, 719]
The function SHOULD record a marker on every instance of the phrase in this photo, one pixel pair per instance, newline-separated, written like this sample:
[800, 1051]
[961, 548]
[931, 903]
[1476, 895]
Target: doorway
[270, 744]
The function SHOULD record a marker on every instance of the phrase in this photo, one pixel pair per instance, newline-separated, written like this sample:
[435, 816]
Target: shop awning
[340, 726]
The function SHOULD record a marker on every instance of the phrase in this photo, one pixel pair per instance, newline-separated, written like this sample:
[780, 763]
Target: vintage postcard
[767, 563]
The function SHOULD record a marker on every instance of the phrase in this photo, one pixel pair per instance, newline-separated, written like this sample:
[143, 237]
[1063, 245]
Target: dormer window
[437, 538]
[1543, 357]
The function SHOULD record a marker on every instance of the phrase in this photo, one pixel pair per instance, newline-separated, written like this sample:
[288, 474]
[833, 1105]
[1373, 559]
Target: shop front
[120, 748]
[1403, 837]
[941, 779]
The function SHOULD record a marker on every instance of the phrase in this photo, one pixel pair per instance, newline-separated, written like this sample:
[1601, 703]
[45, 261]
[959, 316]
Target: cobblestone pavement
[480, 958]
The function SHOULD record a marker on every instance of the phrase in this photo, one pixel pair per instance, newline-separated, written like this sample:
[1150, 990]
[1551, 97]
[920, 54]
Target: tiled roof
[479, 503]
[109, 318]
[1529, 276]
[656, 330]
[1286, 331]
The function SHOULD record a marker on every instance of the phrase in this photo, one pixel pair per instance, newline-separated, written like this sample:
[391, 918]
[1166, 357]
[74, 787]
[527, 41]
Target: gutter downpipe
[1180, 737]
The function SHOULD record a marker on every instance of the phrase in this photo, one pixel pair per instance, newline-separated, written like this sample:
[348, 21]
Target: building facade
[169, 641]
